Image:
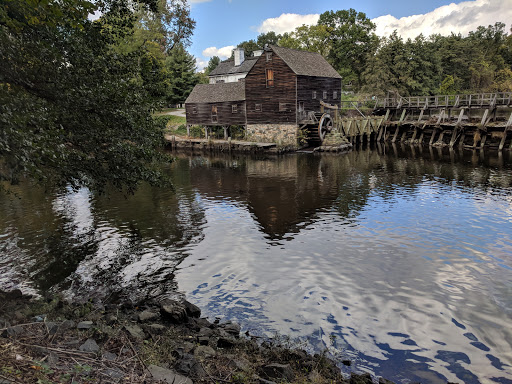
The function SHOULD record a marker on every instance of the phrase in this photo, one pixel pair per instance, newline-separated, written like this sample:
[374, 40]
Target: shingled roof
[305, 63]
[228, 67]
[217, 93]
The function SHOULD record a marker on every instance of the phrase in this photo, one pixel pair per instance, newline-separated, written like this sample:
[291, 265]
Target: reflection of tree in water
[141, 241]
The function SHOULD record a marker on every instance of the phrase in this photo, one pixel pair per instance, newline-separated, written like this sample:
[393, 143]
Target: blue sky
[221, 24]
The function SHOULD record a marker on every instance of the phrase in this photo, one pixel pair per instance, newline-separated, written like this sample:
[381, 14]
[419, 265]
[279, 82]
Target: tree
[180, 67]
[352, 39]
[73, 111]
[212, 64]
[269, 38]
[312, 38]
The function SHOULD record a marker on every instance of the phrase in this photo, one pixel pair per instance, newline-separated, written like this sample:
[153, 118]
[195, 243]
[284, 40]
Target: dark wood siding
[306, 85]
[225, 115]
[283, 91]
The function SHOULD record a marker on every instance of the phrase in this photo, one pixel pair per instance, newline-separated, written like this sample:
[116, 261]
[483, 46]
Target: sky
[221, 24]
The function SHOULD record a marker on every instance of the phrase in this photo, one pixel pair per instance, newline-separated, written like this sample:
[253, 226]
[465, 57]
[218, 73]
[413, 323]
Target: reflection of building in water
[288, 193]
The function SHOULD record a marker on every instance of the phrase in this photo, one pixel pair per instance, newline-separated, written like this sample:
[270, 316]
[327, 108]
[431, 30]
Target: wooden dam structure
[473, 120]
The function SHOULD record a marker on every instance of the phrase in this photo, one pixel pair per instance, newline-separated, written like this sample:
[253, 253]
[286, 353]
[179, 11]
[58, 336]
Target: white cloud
[201, 64]
[287, 22]
[458, 18]
[223, 53]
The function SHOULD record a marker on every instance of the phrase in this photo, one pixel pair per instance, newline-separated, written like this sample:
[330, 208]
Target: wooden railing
[481, 100]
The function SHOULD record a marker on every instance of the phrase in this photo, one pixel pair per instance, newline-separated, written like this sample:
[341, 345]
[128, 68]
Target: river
[397, 258]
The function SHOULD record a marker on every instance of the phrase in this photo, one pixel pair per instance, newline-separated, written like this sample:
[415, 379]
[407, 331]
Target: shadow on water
[397, 257]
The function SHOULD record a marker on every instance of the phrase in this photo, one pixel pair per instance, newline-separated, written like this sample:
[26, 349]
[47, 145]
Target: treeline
[77, 95]
[478, 62]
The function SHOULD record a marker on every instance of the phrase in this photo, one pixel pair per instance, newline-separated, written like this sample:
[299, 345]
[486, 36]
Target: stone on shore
[168, 375]
[146, 316]
[89, 346]
[173, 312]
[278, 372]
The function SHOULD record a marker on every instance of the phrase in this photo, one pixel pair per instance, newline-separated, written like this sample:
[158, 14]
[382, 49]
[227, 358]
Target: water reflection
[398, 257]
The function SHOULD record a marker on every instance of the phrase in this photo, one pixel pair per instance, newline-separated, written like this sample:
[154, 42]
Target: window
[313, 96]
[268, 56]
[270, 77]
[194, 109]
[234, 108]
[301, 106]
[283, 107]
[257, 107]
[324, 96]
[335, 95]
[214, 114]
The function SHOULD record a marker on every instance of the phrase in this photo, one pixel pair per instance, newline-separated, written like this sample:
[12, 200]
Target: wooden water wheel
[325, 126]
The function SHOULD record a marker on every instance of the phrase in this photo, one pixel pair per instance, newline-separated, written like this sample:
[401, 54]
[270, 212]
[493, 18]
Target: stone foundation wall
[281, 134]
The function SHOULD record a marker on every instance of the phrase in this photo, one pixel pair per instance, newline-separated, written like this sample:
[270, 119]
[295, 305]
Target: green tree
[352, 39]
[181, 71]
[73, 111]
[212, 64]
[269, 38]
[312, 38]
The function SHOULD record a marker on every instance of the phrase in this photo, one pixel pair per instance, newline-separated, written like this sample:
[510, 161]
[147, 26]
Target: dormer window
[268, 56]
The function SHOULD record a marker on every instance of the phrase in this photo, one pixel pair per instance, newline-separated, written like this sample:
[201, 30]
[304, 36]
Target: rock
[135, 331]
[85, 325]
[109, 356]
[167, 375]
[111, 319]
[203, 323]
[204, 351]
[156, 329]
[278, 372]
[203, 340]
[206, 332]
[53, 359]
[174, 312]
[13, 332]
[365, 378]
[114, 373]
[52, 328]
[232, 329]
[189, 366]
[240, 364]
[66, 325]
[192, 310]
[226, 342]
[148, 316]
[89, 346]
[188, 347]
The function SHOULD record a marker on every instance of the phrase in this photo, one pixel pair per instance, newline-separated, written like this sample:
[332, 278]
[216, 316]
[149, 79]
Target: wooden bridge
[474, 120]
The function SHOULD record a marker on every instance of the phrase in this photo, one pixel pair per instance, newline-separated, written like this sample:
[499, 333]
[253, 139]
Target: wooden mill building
[270, 98]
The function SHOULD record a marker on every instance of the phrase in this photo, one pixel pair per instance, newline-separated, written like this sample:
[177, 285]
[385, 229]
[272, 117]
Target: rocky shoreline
[51, 340]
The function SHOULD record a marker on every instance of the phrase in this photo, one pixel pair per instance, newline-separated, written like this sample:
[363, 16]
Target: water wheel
[325, 126]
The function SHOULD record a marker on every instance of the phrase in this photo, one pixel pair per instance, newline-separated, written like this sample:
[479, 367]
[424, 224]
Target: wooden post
[206, 133]
[434, 132]
[225, 132]
[456, 128]
[188, 130]
[398, 125]
[509, 124]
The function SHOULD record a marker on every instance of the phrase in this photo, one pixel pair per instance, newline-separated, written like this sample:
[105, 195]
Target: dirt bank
[54, 341]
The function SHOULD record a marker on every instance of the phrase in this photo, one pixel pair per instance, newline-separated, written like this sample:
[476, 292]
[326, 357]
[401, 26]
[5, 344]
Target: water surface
[397, 258]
